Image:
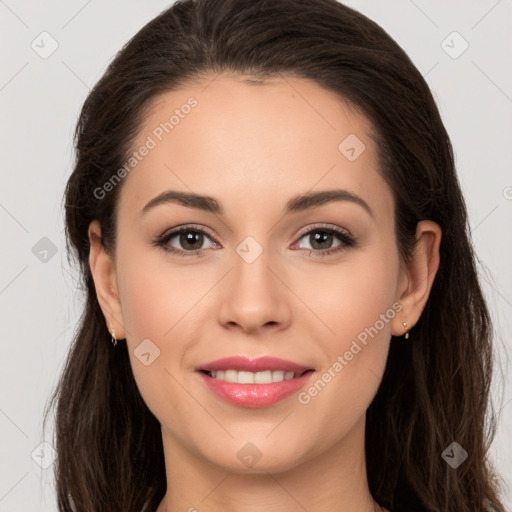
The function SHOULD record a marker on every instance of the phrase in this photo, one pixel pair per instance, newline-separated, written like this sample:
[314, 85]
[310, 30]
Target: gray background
[39, 101]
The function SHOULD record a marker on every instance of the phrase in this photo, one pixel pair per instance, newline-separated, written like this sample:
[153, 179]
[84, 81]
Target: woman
[283, 310]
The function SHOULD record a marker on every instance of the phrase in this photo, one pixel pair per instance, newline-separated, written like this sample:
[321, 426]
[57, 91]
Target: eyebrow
[299, 203]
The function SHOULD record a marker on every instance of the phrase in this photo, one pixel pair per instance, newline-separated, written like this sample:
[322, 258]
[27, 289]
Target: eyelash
[347, 240]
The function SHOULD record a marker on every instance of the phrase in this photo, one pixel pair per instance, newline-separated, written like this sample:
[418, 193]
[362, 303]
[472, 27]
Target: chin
[254, 458]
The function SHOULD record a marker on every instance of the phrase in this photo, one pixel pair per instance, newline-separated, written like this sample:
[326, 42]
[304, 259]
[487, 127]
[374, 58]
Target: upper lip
[259, 364]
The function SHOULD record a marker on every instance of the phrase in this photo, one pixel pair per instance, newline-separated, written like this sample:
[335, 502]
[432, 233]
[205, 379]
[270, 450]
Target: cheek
[350, 296]
[358, 309]
[153, 301]
[148, 303]
[356, 304]
[154, 312]
[155, 294]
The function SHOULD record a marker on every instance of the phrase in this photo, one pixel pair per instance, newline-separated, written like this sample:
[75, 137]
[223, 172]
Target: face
[314, 283]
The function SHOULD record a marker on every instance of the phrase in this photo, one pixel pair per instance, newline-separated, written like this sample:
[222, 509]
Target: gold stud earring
[114, 340]
[406, 336]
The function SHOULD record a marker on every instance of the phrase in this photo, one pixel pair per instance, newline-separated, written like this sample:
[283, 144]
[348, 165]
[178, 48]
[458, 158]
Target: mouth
[259, 382]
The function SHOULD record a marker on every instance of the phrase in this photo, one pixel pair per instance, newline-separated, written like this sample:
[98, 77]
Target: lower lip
[255, 395]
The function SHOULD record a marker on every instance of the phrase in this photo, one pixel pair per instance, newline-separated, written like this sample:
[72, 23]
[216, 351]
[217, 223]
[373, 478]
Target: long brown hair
[435, 389]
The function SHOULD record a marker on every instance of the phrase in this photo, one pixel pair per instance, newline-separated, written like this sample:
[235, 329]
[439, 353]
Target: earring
[114, 340]
[406, 336]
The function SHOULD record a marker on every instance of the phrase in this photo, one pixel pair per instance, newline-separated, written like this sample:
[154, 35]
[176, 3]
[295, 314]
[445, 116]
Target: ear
[104, 276]
[417, 276]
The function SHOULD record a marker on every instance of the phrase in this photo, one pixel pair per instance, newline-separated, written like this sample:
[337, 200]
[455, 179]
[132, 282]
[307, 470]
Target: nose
[255, 296]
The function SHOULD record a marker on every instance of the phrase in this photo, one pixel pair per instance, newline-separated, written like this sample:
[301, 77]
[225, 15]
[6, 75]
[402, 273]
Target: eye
[321, 238]
[190, 238]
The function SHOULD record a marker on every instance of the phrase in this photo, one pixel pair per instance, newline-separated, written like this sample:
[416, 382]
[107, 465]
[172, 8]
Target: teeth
[242, 377]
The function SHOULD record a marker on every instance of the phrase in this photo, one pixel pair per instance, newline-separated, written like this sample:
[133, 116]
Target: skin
[253, 147]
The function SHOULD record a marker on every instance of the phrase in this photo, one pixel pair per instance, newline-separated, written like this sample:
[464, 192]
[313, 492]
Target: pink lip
[254, 395]
[259, 364]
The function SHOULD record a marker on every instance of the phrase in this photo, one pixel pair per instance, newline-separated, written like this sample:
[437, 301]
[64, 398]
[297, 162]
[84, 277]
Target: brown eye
[321, 240]
[185, 241]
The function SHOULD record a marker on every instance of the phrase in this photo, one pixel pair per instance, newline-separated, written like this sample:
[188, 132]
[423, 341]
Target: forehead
[227, 138]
